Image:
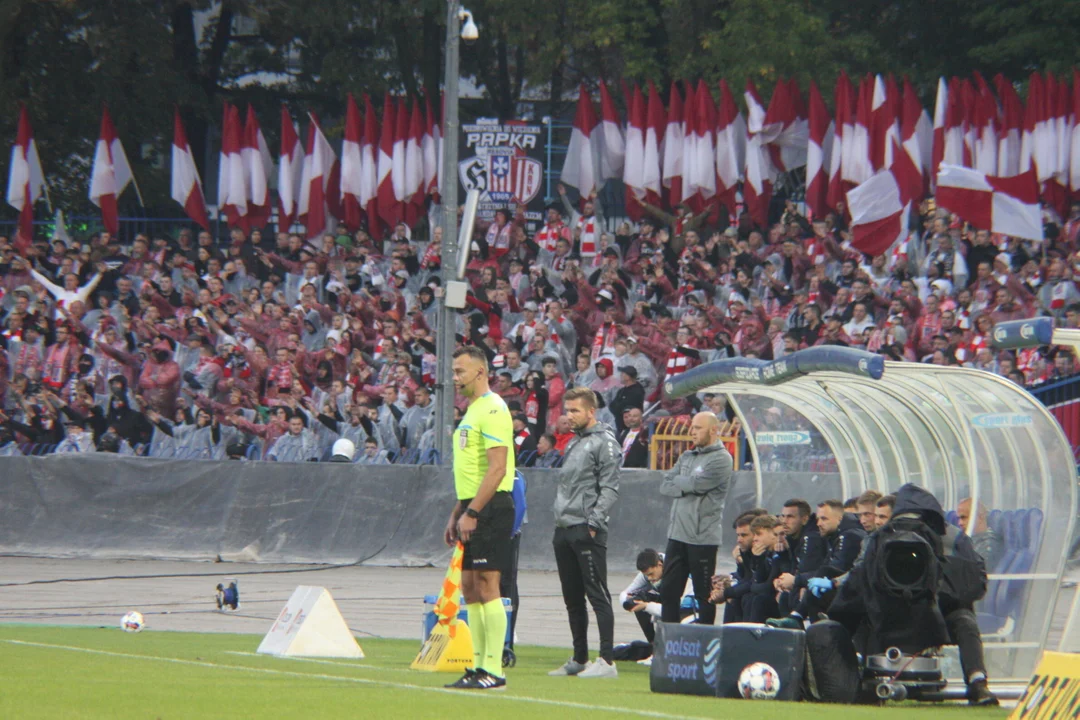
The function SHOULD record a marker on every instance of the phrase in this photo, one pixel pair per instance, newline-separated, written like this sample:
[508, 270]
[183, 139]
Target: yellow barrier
[671, 437]
[1054, 690]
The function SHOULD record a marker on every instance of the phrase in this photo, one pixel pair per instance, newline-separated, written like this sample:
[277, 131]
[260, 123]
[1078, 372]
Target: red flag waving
[186, 186]
[25, 178]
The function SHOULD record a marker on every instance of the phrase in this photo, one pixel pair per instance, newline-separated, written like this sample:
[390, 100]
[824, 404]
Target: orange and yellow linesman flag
[448, 604]
[449, 647]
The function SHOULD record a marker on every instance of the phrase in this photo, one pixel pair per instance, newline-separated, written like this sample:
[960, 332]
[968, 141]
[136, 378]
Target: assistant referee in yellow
[483, 517]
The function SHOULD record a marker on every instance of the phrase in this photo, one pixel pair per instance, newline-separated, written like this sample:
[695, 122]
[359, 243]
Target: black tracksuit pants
[682, 560]
[582, 563]
[964, 631]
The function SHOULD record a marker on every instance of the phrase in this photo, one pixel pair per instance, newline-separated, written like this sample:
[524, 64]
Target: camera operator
[642, 595]
[843, 536]
[698, 483]
[922, 595]
[963, 585]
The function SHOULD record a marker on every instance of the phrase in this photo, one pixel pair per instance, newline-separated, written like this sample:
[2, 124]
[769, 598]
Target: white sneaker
[570, 667]
[647, 662]
[599, 668]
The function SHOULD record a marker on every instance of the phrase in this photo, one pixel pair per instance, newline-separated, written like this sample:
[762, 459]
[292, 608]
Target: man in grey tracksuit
[588, 488]
[699, 483]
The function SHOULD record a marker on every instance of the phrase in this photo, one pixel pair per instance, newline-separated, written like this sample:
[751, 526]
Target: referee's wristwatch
[472, 513]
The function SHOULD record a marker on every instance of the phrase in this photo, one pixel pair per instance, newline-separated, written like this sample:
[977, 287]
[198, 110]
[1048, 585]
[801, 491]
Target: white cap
[345, 448]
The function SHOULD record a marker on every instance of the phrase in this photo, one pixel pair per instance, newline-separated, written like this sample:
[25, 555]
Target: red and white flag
[579, 169]
[1074, 141]
[672, 147]
[818, 155]
[414, 167]
[352, 171]
[430, 146]
[320, 185]
[389, 207]
[941, 111]
[634, 165]
[259, 167]
[110, 175]
[885, 122]
[699, 168]
[843, 132]
[401, 141]
[1009, 206]
[232, 182]
[858, 166]
[916, 133]
[26, 181]
[881, 205]
[787, 131]
[760, 171]
[985, 125]
[290, 170]
[956, 151]
[969, 102]
[655, 126]
[730, 148]
[613, 144]
[369, 170]
[1056, 190]
[186, 186]
[1032, 110]
[1012, 123]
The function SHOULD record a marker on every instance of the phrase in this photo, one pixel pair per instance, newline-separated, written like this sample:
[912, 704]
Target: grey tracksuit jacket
[588, 479]
[699, 483]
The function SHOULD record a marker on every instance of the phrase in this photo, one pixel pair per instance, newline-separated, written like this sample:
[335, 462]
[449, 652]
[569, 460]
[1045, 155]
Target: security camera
[469, 31]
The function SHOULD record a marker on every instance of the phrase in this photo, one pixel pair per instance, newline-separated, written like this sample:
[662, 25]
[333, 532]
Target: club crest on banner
[504, 162]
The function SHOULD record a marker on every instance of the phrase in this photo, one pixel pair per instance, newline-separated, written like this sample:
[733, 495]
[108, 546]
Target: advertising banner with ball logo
[505, 162]
[738, 660]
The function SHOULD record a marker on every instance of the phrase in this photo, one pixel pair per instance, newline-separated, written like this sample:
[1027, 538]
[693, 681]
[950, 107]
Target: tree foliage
[64, 58]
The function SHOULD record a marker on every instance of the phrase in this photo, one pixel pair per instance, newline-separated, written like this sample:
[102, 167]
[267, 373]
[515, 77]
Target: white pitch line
[356, 665]
[363, 681]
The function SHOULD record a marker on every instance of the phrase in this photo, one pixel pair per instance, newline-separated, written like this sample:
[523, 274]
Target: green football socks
[494, 636]
[477, 630]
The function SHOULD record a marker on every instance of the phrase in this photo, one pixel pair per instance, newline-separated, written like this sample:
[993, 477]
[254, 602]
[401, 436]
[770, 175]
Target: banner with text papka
[505, 162]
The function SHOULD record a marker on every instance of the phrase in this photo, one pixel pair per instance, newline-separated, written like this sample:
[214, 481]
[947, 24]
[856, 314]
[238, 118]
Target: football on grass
[759, 681]
[132, 621]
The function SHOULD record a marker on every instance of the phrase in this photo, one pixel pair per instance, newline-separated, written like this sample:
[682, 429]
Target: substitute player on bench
[483, 517]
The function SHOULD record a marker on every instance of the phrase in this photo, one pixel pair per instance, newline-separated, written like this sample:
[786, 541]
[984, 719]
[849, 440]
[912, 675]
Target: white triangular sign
[310, 625]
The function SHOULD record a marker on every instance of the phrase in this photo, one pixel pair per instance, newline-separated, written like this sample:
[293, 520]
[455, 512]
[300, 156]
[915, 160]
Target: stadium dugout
[835, 421]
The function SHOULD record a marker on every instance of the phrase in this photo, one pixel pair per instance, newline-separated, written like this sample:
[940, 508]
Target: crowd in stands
[275, 346]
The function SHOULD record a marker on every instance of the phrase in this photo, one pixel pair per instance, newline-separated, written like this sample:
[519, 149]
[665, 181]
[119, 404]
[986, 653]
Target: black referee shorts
[489, 546]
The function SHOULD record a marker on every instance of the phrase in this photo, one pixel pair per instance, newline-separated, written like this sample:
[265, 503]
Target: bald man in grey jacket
[698, 484]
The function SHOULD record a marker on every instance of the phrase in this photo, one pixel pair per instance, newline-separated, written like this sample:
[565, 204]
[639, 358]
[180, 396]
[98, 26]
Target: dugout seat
[998, 611]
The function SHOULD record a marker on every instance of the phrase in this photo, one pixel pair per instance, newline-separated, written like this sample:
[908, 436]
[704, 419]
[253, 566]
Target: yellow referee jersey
[487, 424]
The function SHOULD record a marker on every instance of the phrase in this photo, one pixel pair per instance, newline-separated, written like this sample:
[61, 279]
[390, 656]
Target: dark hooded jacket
[900, 612]
[964, 571]
[839, 550]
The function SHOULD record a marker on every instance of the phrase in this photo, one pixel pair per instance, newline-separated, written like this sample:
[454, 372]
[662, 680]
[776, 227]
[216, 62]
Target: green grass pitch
[68, 672]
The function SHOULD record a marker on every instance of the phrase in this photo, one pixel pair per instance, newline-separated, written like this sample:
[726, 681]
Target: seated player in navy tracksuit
[843, 535]
[760, 603]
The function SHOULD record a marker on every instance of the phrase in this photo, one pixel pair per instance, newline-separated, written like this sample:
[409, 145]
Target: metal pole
[448, 190]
